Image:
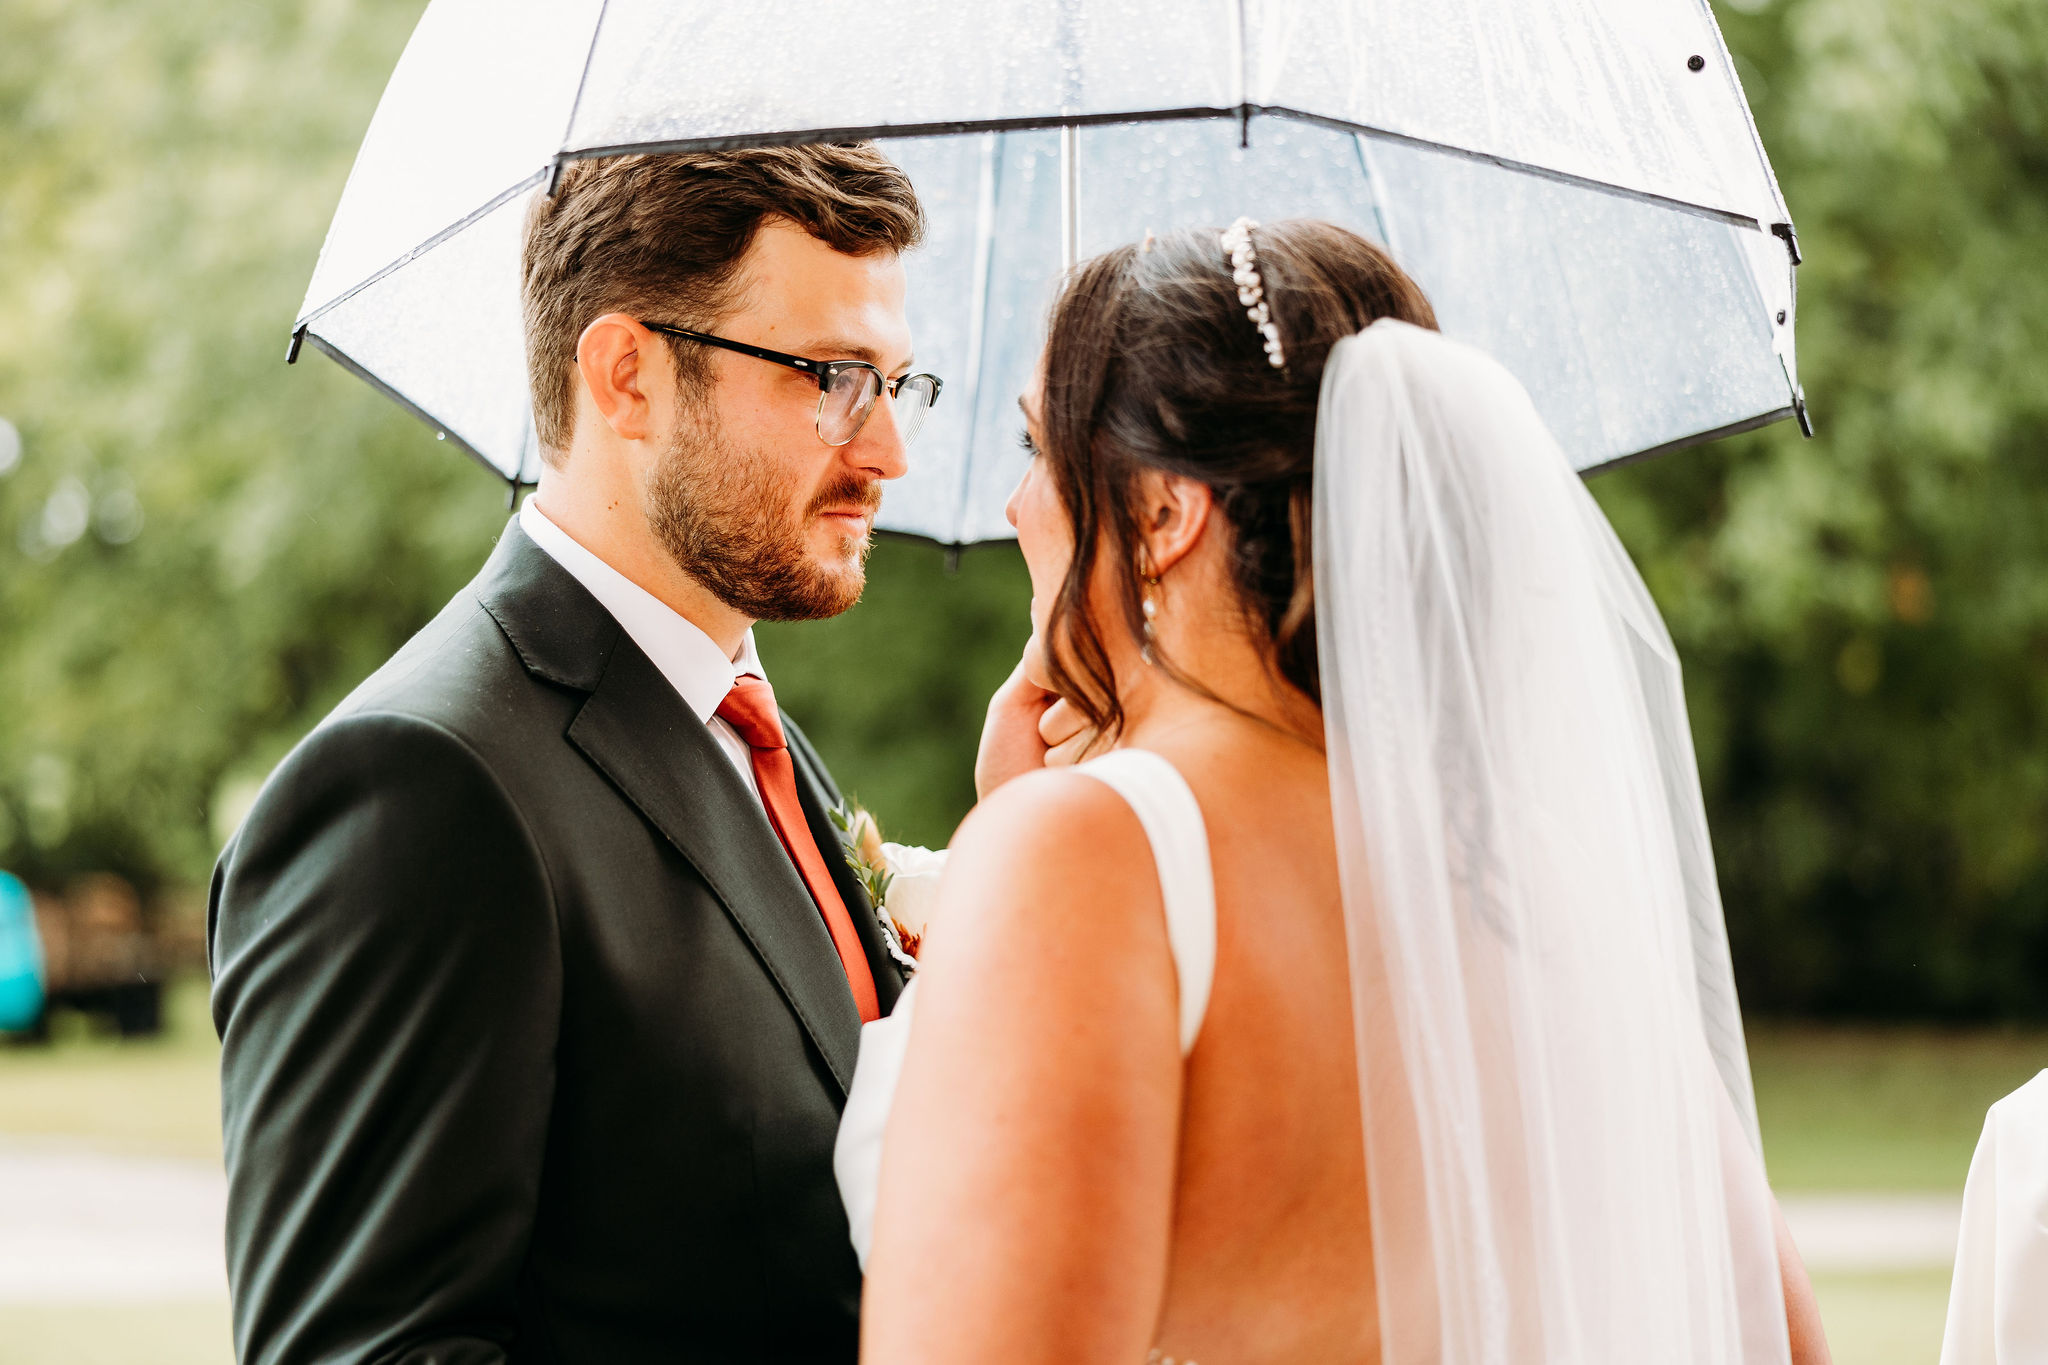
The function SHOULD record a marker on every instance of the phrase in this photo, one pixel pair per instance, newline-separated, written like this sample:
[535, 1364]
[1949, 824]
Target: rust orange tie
[750, 709]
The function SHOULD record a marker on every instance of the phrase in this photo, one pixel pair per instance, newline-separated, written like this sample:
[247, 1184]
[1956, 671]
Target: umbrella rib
[726, 142]
[349, 363]
[576, 104]
[1798, 398]
[1578, 334]
[1375, 186]
[855, 133]
[1762, 419]
[1585, 182]
[1756, 138]
[1239, 60]
[977, 324]
[495, 203]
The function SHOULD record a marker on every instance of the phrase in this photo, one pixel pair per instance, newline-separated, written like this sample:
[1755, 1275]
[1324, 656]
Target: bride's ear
[1172, 514]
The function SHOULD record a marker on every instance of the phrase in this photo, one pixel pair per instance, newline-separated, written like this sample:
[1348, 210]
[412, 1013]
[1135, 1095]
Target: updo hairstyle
[1151, 363]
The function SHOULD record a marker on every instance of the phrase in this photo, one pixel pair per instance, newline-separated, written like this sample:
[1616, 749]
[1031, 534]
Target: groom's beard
[725, 518]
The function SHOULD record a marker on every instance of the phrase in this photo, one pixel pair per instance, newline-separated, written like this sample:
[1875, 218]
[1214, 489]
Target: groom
[538, 972]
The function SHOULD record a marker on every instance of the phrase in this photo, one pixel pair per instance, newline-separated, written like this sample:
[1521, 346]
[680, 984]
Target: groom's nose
[879, 448]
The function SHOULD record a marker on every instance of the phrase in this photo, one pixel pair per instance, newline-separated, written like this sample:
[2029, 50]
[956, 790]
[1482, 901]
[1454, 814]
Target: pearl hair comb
[1251, 290]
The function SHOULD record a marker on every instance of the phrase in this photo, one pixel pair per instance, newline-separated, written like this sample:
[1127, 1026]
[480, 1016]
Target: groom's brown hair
[660, 237]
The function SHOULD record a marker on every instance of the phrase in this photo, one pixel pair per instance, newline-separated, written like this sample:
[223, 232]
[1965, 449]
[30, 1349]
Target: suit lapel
[652, 747]
[636, 731]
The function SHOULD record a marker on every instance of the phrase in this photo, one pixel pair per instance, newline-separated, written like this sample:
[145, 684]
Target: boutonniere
[901, 881]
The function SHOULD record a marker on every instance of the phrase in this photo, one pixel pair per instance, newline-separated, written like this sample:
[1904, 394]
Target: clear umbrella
[1576, 183]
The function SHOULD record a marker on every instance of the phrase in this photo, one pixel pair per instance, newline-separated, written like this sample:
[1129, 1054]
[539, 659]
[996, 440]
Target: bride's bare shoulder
[1049, 908]
[1057, 813]
[1051, 845]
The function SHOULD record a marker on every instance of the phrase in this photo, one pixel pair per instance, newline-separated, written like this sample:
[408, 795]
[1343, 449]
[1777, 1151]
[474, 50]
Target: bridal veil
[1560, 1130]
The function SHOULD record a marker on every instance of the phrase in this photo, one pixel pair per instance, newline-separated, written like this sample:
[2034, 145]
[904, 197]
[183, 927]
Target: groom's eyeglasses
[847, 389]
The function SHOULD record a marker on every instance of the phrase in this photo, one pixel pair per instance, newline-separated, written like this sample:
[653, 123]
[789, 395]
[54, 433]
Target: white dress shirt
[693, 665]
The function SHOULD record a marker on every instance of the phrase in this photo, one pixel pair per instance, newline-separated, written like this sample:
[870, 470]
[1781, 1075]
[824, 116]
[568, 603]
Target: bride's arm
[1027, 1185]
[1742, 1170]
[1802, 1310]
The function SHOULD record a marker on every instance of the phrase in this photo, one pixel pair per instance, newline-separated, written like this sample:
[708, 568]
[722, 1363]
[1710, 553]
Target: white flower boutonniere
[901, 881]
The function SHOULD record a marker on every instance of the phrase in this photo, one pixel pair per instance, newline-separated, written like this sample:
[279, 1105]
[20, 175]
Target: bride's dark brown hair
[1151, 364]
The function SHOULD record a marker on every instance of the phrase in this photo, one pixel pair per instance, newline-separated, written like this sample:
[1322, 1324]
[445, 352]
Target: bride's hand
[1066, 733]
[1011, 744]
[1029, 727]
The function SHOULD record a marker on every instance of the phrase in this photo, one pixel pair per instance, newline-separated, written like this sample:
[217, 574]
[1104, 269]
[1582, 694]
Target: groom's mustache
[848, 491]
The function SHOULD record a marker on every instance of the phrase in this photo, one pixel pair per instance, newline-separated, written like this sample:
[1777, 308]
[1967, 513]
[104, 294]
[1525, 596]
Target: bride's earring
[1150, 606]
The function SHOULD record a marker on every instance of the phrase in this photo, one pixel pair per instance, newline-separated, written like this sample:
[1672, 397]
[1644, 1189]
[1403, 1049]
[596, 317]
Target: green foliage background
[201, 551]
[1864, 617]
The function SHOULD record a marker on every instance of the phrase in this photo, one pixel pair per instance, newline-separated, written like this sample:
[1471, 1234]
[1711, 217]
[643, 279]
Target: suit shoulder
[455, 661]
[395, 758]
[435, 717]
[369, 809]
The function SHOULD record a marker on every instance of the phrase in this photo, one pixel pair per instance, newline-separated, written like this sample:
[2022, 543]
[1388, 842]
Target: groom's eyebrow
[844, 348]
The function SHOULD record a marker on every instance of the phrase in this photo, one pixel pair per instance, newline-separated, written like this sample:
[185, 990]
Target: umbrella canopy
[1576, 183]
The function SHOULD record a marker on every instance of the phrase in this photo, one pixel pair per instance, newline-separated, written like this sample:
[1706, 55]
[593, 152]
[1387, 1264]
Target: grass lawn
[1869, 1108]
[116, 1334]
[1886, 1110]
[149, 1097]
[1892, 1319]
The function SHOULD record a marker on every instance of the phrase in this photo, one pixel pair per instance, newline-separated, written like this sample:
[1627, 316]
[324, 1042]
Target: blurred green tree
[895, 690]
[1864, 617]
[201, 551]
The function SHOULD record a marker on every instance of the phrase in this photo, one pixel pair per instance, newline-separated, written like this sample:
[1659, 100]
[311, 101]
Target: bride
[1367, 997]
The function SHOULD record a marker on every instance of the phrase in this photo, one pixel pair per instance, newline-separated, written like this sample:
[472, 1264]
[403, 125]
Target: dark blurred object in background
[106, 955]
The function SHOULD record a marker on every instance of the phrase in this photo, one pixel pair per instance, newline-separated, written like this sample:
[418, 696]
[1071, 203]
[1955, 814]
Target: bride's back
[1177, 414]
[1271, 1249]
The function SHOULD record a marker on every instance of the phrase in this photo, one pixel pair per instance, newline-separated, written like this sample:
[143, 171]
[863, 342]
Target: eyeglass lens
[844, 407]
[850, 396]
[913, 403]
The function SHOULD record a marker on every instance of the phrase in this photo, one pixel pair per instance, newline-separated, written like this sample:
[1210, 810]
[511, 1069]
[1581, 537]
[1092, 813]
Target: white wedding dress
[1180, 847]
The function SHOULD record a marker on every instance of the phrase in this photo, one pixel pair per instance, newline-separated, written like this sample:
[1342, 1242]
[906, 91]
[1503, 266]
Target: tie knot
[750, 709]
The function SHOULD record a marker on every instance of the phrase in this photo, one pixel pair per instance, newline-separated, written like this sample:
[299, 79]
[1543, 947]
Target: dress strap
[1166, 807]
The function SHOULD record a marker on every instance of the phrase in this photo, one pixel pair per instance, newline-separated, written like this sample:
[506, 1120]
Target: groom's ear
[619, 360]
[1173, 511]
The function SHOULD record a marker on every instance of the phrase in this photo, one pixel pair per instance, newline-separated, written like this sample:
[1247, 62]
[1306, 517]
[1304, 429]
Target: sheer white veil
[1560, 1131]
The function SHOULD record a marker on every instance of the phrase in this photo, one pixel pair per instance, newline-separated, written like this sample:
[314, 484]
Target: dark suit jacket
[534, 1043]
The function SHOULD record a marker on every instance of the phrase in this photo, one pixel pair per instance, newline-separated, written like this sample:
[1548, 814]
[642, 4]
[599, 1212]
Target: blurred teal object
[21, 958]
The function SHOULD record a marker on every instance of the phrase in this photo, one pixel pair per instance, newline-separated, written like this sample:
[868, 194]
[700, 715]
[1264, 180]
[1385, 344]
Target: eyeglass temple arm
[795, 362]
[818, 368]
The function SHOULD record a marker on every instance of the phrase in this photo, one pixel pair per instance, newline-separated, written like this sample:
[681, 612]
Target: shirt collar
[686, 656]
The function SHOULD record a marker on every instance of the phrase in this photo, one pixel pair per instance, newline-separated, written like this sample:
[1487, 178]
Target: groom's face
[750, 502]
